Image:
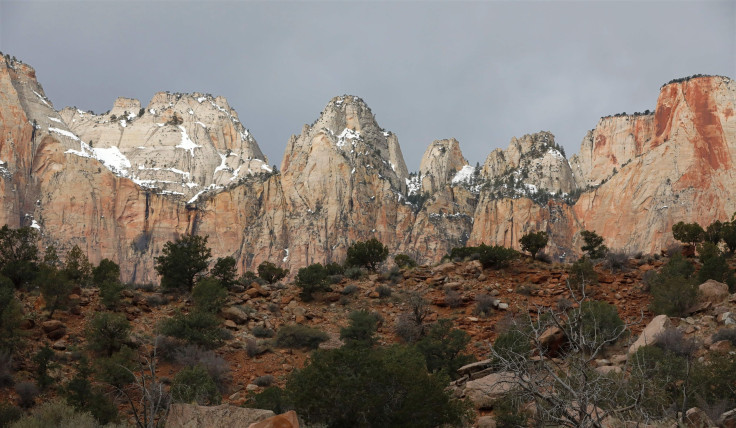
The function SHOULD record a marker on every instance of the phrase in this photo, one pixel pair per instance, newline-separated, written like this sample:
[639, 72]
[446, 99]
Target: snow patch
[123, 123]
[414, 185]
[347, 134]
[186, 142]
[465, 175]
[56, 120]
[285, 259]
[42, 98]
[267, 168]
[35, 225]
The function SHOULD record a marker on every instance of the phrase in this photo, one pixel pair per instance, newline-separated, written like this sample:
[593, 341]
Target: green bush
[271, 273]
[443, 347]
[107, 333]
[374, 387]
[272, 398]
[11, 315]
[56, 414]
[195, 385]
[299, 336]
[715, 267]
[582, 274]
[9, 414]
[209, 295]
[197, 328]
[225, 271]
[106, 271]
[182, 261]
[19, 254]
[361, 329]
[110, 293]
[533, 242]
[55, 288]
[42, 360]
[369, 254]
[77, 267]
[593, 247]
[599, 323]
[496, 257]
[673, 296]
[334, 269]
[353, 272]
[311, 279]
[117, 369]
[404, 262]
[80, 394]
[510, 343]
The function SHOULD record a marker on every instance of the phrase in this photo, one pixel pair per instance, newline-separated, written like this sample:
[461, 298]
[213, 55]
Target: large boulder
[284, 420]
[235, 314]
[713, 291]
[224, 416]
[657, 326]
[486, 391]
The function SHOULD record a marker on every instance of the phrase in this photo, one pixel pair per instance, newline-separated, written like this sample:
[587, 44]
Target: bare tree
[568, 391]
[147, 395]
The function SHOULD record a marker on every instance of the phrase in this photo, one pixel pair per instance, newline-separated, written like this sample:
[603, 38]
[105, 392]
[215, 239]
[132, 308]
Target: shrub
[182, 261]
[353, 272]
[198, 328]
[674, 341]
[77, 267]
[27, 393]
[384, 291]
[582, 274]
[453, 299]
[349, 289]
[107, 332]
[716, 267]
[55, 288]
[80, 394]
[209, 295]
[483, 305]
[404, 262]
[593, 247]
[617, 261]
[599, 323]
[117, 369]
[217, 368]
[42, 360]
[368, 254]
[533, 242]
[272, 398]
[194, 384]
[402, 393]
[509, 343]
[728, 234]
[407, 329]
[157, 300]
[442, 348]
[56, 414]
[262, 332]
[311, 279]
[334, 269]
[725, 334]
[361, 329]
[496, 257]
[9, 414]
[263, 381]
[19, 254]
[225, 271]
[300, 336]
[508, 413]
[106, 271]
[252, 348]
[673, 296]
[11, 315]
[271, 273]
[110, 293]
[6, 368]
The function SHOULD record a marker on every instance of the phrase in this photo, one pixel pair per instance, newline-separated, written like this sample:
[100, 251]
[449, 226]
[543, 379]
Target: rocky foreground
[123, 183]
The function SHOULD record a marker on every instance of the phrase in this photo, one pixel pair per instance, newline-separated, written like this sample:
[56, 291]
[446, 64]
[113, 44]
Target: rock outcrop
[123, 183]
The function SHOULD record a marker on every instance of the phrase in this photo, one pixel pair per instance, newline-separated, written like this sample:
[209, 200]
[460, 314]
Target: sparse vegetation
[533, 242]
[271, 273]
[299, 336]
[369, 254]
[182, 261]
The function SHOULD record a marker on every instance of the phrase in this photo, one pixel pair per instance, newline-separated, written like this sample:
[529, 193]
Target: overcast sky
[482, 72]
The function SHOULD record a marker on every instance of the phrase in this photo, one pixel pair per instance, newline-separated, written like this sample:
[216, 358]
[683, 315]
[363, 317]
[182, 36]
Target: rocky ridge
[343, 179]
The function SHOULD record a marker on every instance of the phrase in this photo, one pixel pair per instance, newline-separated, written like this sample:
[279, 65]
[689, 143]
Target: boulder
[728, 419]
[223, 416]
[551, 340]
[486, 422]
[51, 325]
[697, 418]
[713, 291]
[235, 314]
[284, 420]
[471, 368]
[486, 391]
[649, 336]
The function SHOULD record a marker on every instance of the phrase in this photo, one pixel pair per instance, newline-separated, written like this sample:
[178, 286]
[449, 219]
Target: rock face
[193, 416]
[123, 183]
[181, 144]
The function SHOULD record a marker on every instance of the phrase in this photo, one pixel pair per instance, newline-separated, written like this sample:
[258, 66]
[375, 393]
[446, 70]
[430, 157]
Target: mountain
[123, 183]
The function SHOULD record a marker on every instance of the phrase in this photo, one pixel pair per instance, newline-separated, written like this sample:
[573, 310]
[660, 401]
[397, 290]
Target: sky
[481, 72]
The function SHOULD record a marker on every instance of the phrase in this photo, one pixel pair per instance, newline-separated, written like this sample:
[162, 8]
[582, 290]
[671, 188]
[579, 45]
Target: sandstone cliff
[123, 183]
